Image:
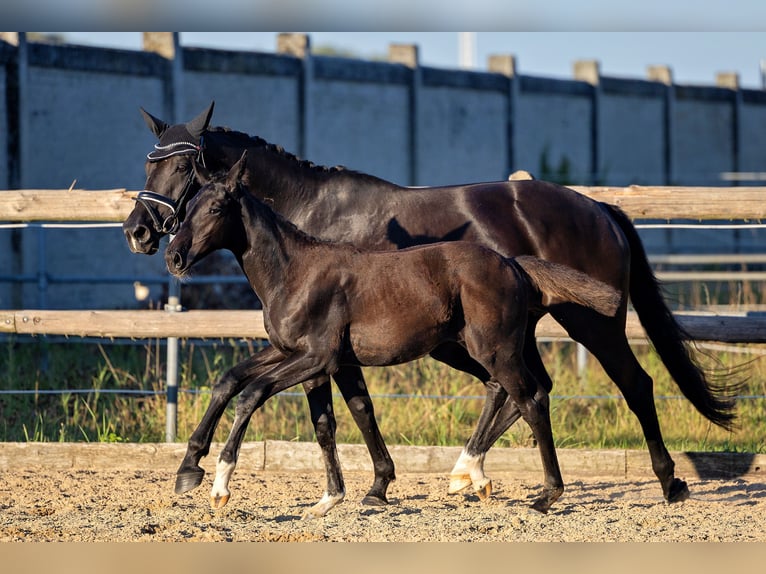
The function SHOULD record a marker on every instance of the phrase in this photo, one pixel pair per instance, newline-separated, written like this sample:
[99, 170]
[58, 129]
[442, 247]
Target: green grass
[439, 414]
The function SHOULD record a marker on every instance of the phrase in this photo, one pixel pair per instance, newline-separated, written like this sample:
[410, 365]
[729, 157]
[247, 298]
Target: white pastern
[219, 494]
[468, 470]
[322, 507]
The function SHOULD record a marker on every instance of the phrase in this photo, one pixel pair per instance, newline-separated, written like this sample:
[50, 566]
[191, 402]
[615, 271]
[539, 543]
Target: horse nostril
[178, 260]
[141, 232]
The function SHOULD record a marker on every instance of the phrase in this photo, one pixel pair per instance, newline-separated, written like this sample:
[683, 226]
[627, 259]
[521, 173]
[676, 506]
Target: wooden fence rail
[695, 203]
[728, 328]
[639, 202]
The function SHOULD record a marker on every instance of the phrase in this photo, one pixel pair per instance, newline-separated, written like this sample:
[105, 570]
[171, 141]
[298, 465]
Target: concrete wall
[400, 121]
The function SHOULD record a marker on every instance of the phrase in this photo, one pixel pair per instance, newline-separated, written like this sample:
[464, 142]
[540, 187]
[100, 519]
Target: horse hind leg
[605, 338]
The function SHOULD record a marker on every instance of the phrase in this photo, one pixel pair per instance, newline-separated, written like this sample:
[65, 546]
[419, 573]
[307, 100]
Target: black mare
[513, 217]
[330, 304]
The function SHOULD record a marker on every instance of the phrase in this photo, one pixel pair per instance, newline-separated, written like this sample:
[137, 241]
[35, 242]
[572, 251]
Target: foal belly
[392, 343]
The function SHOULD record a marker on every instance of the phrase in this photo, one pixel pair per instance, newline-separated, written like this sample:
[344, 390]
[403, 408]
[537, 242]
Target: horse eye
[214, 210]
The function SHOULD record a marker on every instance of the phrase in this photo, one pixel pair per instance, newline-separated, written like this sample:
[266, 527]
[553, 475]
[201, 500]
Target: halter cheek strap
[149, 199]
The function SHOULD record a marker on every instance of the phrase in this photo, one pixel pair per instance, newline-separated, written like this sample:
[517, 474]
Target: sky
[695, 57]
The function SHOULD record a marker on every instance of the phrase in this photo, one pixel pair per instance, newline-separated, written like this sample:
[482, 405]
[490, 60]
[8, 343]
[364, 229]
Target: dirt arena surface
[37, 505]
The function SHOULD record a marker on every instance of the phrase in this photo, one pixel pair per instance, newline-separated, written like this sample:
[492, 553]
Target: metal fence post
[171, 375]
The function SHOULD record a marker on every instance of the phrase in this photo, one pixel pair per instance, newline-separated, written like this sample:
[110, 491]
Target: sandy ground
[121, 506]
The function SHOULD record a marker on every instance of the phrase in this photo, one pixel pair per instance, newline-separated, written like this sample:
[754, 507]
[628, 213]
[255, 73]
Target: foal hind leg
[190, 474]
[605, 338]
[319, 394]
[351, 383]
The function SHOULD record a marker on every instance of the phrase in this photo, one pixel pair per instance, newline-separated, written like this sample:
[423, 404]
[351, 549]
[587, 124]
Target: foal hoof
[458, 483]
[678, 491]
[374, 500]
[218, 502]
[189, 480]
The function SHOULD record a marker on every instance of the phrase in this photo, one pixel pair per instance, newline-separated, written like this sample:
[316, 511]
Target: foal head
[213, 219]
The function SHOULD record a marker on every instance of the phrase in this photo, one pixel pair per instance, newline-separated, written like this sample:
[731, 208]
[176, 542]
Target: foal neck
[272, 244]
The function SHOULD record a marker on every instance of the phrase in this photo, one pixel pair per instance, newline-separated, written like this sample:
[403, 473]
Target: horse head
[169, 183]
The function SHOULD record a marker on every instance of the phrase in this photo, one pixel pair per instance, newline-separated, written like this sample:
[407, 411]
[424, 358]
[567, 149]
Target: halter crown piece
[180, 139]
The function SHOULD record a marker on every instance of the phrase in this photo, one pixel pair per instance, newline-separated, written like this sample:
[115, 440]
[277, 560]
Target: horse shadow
[400, 237]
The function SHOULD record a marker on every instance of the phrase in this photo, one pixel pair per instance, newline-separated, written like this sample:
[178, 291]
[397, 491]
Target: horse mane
[259, 142]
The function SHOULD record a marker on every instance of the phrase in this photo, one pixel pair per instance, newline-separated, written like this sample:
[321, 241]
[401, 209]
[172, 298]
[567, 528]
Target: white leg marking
[469, 470]
[219, 494]
[324, 505]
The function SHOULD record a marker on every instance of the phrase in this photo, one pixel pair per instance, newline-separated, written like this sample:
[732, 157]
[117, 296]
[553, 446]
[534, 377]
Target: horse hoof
[678, 492]
[189, 480]
[483, 490]
[218, 502]
[540, 506]
[374, 500]
[458, 483]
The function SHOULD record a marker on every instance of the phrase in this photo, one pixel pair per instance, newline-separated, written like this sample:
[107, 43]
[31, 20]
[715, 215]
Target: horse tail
[713, 400]
[562, 284]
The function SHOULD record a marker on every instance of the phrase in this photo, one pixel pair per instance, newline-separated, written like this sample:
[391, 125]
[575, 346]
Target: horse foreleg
[351, 383]
[536, 413]
[190, 474]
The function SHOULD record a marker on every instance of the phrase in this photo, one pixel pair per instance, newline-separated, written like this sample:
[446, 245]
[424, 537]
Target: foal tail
[561, 284]
[713, 400]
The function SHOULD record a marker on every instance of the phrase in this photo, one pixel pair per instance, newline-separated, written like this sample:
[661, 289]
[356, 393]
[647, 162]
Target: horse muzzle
[141, 239]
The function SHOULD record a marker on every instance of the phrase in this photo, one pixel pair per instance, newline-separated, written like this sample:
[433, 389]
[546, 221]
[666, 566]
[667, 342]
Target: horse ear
[157, 126]
[198, 125]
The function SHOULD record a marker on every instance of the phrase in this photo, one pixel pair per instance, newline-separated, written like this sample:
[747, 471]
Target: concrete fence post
[299, 46]
[506, 65]
[409, 55]
[18, 142]
[589, 71]
[664, 75]
[730, 81]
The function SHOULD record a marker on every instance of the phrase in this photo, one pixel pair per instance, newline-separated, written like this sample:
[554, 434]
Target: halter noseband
[170, 224]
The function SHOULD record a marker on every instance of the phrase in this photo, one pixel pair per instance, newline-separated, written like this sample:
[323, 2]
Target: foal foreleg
[190, 474]
[251, 399]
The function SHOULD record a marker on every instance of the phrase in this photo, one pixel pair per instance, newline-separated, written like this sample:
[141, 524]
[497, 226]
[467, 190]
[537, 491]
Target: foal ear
[198, 125]
[157, 126]
[238, 169]
[201, 172]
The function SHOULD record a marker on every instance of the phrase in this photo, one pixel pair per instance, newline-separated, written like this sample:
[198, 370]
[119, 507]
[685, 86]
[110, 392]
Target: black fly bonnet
[179, 139]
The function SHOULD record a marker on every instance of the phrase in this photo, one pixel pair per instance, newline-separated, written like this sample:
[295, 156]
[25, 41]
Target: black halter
[170, 224]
